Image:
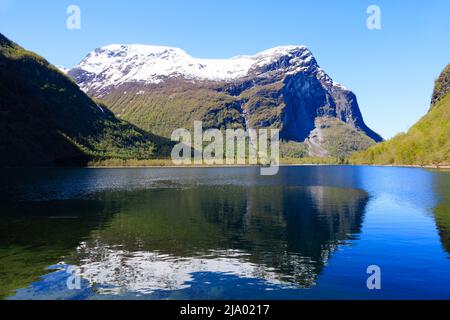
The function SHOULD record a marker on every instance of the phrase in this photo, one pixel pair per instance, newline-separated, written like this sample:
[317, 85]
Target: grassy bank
[111, 163]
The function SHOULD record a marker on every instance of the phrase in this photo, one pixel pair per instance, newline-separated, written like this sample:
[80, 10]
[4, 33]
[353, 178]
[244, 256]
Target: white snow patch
[117, 64]
[63, 69]
[146, 272]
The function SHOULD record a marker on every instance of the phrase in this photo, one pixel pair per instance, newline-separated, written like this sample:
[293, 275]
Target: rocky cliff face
[441, 86]
[161, 89]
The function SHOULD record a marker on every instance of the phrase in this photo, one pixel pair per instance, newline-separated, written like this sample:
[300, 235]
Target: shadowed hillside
[45, 119]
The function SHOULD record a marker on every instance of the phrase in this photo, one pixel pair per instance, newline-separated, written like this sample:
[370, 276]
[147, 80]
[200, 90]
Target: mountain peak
[143, 49]
[285, 50]
[116, 64]
[139, 49]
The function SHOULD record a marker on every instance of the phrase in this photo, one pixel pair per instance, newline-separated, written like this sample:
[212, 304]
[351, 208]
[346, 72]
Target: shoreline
[442, 167]
[204, 166]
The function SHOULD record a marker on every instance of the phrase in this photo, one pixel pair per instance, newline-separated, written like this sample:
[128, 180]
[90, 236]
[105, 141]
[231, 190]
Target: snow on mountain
[282, 87]
[116, 64]
[63, 69]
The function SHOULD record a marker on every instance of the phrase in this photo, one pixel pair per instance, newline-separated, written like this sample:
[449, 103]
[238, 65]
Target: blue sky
[391, 70]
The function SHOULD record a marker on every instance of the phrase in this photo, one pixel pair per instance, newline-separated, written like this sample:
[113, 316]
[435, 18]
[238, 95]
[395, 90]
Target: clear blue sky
[391, 70]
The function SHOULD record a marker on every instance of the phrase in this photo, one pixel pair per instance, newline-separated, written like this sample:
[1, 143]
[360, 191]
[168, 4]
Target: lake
[311, 232]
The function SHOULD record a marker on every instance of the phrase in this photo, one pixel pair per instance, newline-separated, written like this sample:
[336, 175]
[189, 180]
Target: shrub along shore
[127, 163]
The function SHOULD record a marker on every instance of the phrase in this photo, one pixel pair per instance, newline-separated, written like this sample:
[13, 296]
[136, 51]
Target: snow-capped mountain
[114, 65]
[160, 89]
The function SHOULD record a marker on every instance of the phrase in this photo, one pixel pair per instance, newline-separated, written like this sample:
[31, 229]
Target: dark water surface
[228, 233]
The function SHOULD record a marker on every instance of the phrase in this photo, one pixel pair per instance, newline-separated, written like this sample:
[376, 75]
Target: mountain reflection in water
[309, 232]
[160, 238]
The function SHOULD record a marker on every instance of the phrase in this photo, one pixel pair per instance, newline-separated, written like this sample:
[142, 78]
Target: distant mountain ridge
[161, 89]
[114, 65]
[47, 120]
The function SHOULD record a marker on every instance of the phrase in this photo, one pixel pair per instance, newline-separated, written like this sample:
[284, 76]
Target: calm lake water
[224, 233]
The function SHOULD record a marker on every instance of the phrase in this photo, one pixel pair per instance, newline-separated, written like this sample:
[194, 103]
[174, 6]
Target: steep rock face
[442, 86]
[161, 89]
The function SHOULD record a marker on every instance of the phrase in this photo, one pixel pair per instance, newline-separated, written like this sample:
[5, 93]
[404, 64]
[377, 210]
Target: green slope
[334, 138]
[162, 109]
[426, 143]
[45, 119]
